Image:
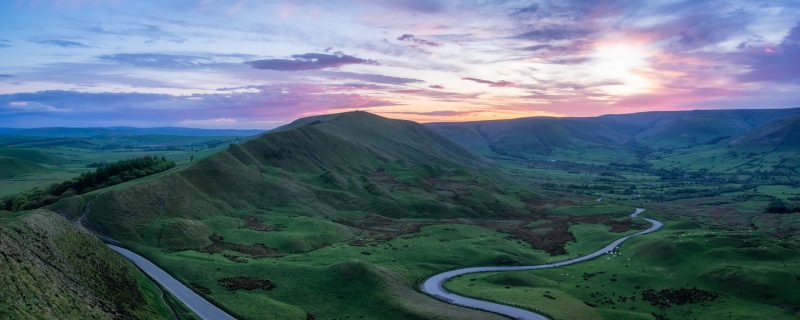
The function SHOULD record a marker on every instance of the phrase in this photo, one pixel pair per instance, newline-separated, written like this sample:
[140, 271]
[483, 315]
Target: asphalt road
[200, 306]
[434, 286]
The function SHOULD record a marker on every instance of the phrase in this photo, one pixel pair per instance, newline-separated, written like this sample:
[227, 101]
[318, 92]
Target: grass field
[753, 276]
[342, 219]
[45, 166]
[341, 279]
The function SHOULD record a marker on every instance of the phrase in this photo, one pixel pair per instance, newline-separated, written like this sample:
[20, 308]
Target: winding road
[201, 307]
[434, 286]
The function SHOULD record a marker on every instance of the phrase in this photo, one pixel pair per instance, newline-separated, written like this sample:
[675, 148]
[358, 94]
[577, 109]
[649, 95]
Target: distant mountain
[783, 133]
[125, 131]
[543, 136]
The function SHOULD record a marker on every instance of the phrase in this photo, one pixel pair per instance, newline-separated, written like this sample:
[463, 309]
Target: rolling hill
[343, 182]
[780, 134]
[11, 167]
[577, 139]
[346, 162]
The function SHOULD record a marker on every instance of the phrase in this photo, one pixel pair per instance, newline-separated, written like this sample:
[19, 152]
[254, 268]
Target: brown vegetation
[246, 283]
[256, 251]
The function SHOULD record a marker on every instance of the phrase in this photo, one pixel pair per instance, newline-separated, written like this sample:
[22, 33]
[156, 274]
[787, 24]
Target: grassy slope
[51, 270]
[10, 167]
[619, 138]
[346, 164]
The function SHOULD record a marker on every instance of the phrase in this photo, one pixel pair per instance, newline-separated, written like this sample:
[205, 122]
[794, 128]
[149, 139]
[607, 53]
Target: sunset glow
[258, 64]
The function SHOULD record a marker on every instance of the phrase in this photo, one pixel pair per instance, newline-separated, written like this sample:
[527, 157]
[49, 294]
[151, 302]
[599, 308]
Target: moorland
[342, 216]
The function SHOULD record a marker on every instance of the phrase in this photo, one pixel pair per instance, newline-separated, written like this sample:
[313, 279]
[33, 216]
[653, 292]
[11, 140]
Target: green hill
[10, 167]
[306, 206]
[351, 162]
[31, 155]
[612, 138]
[53, 271]
[781, 134]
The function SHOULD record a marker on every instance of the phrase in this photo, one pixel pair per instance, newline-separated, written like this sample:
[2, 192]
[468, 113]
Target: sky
[260, 64]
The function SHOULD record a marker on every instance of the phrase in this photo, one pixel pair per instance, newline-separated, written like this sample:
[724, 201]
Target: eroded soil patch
[667, 297]
[376, 228]
[252, 223]
[551, 233]
[256, 251]
[246, 283]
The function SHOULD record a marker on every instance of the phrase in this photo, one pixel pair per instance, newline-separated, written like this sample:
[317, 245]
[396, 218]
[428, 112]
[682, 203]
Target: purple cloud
[525, 11]
[157, 60]
[62, 43]
[369, 77]
[698, 30]
[439, 113]
[309, 61]
[421, 6]
[548, 34]
[418, 41]
[778, 63]
[270, 103]
[500, 84]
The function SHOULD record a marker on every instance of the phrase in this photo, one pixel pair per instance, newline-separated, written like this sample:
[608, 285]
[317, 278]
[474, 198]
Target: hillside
[611, 138]
[349, 162]
[310, 201]
[781, 134]
[10, 167]
[51, 270]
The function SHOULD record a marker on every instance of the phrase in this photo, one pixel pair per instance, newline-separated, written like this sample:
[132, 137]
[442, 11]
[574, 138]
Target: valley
[344, 216]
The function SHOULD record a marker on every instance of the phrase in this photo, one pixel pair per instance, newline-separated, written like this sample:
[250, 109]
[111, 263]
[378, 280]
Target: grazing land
[341, 216]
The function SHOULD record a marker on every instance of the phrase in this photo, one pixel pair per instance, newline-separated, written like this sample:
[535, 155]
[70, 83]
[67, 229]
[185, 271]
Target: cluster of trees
[105, 175]
[780, 206]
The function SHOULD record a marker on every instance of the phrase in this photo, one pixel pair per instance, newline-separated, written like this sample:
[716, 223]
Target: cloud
[216, 122]
[418, 41]
[700, 29]
[270, 103]
[309, 61]
[775, 63]
[436, 86]
[4, 43]
[420, 6]
[501, 83]
[6, 76]
[62, 43]
[150, 32]
[438, 113]
[439, 95]
[27, 107]
[157, 60]
[547, 34]
[525, 11]
[369, 77]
